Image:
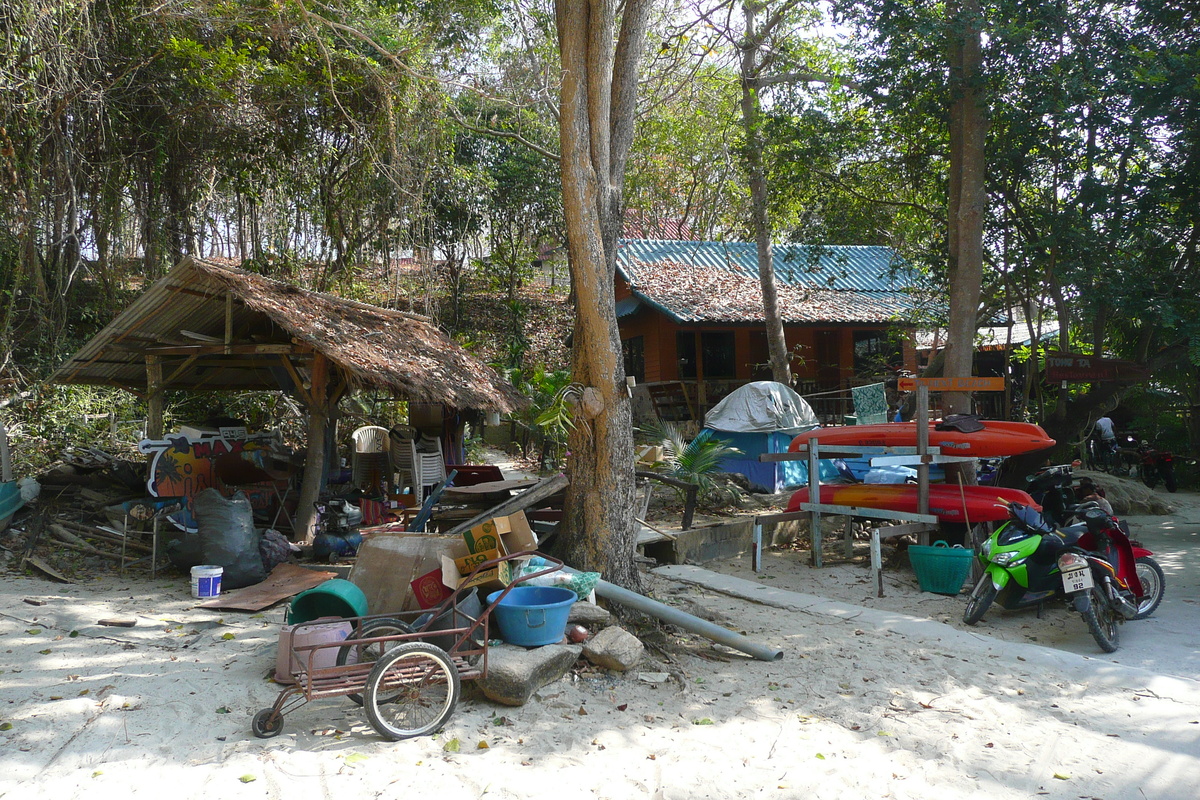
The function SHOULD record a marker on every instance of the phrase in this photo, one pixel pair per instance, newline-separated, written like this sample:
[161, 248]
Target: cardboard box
[496, 577]
[649, 454]
[509, 535]
[466, 564]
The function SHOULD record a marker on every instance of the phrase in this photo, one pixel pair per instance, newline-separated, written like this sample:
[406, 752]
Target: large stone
[590, 616]
[515, 673]
[614, 648]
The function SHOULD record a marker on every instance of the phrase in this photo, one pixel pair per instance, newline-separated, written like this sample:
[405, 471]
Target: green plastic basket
[940, 568]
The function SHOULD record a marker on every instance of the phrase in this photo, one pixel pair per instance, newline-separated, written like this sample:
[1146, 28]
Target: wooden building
[692, 327]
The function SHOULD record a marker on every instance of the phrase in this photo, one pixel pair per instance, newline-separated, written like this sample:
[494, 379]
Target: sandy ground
[873, 697]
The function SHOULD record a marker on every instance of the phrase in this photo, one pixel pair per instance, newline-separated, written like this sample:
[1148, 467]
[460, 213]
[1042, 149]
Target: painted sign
[182, 466]
[953, 384]
[1075, 367]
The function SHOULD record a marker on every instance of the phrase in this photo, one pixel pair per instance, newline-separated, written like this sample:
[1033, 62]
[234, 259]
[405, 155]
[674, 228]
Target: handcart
[407, 678]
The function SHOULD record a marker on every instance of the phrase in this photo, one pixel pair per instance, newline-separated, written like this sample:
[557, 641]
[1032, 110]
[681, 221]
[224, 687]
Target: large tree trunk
[781, 369]
[596, 129]
[966, 204]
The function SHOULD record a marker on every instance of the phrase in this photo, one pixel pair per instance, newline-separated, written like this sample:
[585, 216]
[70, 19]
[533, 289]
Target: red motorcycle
[1157, 465]
[1108, 536]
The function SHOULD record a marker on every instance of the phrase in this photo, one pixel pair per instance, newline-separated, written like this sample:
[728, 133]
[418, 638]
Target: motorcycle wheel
[1169, 480]
[1153, 583]
[1101, 619]
[1149, 478]
[980, 600]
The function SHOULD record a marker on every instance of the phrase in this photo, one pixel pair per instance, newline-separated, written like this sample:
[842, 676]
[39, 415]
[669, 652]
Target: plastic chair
[416, 463]
[369, 461]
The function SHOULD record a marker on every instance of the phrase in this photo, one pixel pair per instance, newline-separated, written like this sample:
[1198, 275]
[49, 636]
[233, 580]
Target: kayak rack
[901, 522]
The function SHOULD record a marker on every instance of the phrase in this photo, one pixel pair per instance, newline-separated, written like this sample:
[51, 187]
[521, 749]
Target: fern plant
[696, 460]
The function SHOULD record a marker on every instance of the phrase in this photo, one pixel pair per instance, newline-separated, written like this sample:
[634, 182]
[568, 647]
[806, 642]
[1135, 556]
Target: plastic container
[333, 598]
[206, 581]
[940, 568]
[532, 616]
[313, 633]
[469, 609]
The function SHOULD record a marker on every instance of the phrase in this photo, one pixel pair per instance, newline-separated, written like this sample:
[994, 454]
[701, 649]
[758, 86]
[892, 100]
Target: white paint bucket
[206, 581]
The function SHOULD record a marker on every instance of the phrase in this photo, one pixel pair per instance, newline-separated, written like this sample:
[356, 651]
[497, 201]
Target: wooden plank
[952, 384]
[845, 451]
[544, 488]
[284, 581]
[873, 513]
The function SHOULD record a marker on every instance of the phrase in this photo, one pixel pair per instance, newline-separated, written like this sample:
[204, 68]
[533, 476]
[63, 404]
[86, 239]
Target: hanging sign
[953, 384]
[1080, 368]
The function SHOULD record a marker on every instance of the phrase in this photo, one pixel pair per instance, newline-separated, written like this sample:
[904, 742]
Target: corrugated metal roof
[718, 281]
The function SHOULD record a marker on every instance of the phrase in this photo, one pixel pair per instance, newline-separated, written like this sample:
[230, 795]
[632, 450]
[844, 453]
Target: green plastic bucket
[333, 598]
[940, 568]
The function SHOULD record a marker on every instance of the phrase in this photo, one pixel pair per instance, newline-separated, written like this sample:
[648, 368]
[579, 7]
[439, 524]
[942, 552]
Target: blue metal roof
[718, 282]
[844, 267]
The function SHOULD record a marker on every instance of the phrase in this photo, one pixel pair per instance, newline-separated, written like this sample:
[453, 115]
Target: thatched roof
[216, 327]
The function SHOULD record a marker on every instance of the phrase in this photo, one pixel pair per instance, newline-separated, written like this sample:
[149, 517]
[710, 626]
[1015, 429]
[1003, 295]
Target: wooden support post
[314, 459]
[922, 421]
[154, 398]
[814, 494]
[756, 553]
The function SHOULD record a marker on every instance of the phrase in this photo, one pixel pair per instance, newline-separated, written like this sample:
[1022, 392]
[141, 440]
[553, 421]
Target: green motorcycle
[1092, 566]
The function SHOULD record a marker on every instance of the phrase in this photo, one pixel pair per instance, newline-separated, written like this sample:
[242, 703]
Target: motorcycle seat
[1071, 534]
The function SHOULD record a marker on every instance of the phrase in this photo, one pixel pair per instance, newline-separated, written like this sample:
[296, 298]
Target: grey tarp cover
[762, 406]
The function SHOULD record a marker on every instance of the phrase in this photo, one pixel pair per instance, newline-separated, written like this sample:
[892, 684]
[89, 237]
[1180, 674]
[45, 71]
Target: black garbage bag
[225, 537]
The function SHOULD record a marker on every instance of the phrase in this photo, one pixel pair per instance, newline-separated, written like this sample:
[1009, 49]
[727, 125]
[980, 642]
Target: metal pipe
[686, 621]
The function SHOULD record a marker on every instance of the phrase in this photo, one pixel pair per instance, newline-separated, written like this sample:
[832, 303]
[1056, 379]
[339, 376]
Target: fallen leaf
[44, 652]
[34, 631]
[73, 634]
[582, 711]
[622, 707]
[705, 721]
[247, 779]
[821, 756]
[451, 746]
[97, 774]
[222, 710]
[5, 726]
[482, 745]
[1059, 776]
[227, 636]
[354, 758]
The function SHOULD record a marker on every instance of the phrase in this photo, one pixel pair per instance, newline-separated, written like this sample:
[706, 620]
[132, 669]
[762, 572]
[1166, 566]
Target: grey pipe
[686, 621]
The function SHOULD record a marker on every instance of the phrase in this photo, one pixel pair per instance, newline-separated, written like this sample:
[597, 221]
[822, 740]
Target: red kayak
[998, 438]
[950, 503]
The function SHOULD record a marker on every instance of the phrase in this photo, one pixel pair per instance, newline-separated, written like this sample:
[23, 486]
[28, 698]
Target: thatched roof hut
[210, 326]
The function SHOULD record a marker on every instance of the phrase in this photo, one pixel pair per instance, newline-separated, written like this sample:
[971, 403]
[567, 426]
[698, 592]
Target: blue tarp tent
[764, 417]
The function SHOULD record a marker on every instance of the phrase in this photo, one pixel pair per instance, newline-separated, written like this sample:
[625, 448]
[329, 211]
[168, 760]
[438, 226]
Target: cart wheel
[266, 723]
[411, 691]
[362, 653]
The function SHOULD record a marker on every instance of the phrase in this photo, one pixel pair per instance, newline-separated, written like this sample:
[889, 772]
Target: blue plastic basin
[531, 616]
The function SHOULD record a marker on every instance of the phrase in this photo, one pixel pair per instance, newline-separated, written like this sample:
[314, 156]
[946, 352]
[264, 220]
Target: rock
[613, 648]
[515, 673]
[590, 616]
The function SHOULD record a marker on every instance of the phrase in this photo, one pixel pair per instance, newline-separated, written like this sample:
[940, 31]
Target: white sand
[867, 702]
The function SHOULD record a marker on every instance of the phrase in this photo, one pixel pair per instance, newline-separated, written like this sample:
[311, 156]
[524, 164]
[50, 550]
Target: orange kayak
[950, 503]
[998, 438]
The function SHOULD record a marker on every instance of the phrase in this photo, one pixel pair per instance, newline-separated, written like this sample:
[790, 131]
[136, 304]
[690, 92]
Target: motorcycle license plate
[1077, 580]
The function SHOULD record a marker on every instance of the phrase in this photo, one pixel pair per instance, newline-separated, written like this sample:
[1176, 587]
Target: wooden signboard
[953, 384]
[1075, 367]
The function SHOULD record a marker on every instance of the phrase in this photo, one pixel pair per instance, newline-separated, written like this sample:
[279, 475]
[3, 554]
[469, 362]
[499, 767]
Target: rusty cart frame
[407, 679]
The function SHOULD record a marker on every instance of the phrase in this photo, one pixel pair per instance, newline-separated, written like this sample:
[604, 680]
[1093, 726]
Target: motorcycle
[1156, 465]
[1092, 565]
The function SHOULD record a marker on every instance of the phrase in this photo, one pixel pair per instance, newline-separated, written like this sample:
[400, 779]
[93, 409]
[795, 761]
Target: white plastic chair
[369, 462]
[419, 465]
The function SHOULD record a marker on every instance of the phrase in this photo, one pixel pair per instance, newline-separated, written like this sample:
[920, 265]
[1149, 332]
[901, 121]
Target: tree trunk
[781, 369]
[966, 201]
[595, 131]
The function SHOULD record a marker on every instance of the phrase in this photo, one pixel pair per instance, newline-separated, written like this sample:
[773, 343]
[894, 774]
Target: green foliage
[696, 460]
